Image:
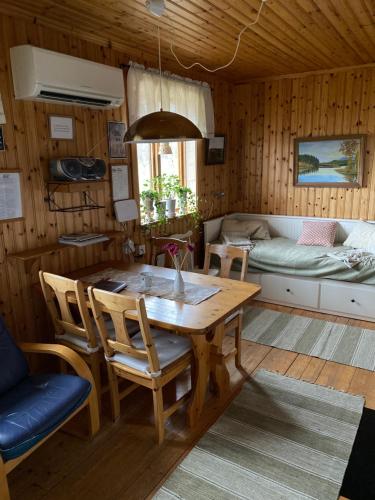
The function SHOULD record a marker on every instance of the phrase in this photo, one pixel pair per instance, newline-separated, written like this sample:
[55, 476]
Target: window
[181, 163]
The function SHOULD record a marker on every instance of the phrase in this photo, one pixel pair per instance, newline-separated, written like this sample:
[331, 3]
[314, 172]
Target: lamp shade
[162, 126]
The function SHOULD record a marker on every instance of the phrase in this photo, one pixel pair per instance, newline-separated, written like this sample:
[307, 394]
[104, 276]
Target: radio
[78, 168]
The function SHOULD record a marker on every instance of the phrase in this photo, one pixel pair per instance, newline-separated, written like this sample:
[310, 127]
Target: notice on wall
[10, 196]
[120, 182]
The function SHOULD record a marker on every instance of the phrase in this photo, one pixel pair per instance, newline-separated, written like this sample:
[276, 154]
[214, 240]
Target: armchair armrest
[63, 352]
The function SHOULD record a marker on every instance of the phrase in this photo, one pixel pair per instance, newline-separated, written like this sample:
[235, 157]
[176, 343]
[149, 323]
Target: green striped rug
[280, 438]
[344, 344]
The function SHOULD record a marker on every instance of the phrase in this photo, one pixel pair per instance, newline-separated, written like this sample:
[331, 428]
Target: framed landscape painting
[329, 161]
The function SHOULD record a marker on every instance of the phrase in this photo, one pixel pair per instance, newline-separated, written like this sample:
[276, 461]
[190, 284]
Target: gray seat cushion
[170, 348]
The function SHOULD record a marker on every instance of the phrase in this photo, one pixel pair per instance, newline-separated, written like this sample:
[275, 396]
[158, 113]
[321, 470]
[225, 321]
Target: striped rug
[280, 438]
[344, 344]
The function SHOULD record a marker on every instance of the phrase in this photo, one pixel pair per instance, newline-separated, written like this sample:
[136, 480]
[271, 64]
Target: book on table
[82, 239]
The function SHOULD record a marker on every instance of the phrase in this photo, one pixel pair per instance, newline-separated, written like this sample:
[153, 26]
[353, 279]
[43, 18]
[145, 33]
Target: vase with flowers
[178, 261]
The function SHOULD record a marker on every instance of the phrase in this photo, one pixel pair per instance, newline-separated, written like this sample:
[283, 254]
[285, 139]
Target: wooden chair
[157, 249]
[227, 254]
[34, 407]
[80, 334]
[151, 359]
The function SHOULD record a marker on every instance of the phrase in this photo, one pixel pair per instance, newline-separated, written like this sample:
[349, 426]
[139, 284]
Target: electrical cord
[235, 52]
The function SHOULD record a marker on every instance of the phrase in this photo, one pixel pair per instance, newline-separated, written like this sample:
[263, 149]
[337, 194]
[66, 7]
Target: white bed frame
[341, 298]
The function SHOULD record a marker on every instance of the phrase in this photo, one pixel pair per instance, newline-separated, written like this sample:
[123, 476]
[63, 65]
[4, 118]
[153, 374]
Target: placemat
[161, 287]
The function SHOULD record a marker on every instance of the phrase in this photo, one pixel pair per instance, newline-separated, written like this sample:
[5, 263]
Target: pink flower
[172, 248]
[190, 247]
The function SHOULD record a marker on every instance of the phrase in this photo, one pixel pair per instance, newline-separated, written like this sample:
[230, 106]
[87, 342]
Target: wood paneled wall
[269, 115]
[29, 149]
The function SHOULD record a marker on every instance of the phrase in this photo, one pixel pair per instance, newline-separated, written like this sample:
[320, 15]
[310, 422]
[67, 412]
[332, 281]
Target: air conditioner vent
[58, 96]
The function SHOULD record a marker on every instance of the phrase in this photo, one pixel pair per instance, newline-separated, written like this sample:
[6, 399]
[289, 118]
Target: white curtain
[2, 115]
[180, 95]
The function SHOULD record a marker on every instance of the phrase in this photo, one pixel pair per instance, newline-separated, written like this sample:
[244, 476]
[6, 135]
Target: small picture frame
[61, 127]
[215, 150]
[336, 161]
[116, 147]
[2, 142]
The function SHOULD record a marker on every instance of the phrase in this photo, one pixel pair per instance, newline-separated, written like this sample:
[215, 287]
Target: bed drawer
[349, 300]
[303, 293]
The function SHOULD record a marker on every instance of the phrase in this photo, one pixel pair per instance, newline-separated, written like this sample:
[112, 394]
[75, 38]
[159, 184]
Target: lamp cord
[235, 52]
[160, 77]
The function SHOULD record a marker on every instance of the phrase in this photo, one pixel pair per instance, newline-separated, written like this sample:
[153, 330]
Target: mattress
[282, 255]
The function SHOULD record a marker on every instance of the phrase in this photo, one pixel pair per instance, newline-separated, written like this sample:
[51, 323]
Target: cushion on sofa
[254, 229]
[34, 407]
[362, 236]
[13, 363]
[319, 233]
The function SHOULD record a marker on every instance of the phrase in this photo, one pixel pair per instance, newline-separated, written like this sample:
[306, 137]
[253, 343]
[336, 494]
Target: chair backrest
[227, 255]
[56, 290]
[157, 248]
[117, 306]
[13, 364]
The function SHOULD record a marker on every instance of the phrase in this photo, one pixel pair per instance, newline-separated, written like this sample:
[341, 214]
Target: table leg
[201, 348]
[219, 371]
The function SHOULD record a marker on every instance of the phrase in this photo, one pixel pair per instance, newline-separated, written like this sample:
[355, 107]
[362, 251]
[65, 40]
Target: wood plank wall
[268, 115]
[29, 148]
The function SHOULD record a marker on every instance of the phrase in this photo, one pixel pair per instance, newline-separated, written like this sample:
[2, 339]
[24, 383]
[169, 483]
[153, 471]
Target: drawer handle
[288, 290]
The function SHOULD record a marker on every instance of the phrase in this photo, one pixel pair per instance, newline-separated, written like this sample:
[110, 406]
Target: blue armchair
[33, 407]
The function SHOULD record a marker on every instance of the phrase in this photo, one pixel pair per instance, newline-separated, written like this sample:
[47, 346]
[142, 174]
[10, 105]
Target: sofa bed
[313, 277]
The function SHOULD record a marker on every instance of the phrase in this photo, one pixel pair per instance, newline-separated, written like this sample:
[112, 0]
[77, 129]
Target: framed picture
[116, 146]
[10, 196]
[2, 143]
[61, 127]
[215, 150]
[329, 161]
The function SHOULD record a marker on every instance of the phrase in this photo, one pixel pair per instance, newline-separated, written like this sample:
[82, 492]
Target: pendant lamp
[165, 149]
[162, 126]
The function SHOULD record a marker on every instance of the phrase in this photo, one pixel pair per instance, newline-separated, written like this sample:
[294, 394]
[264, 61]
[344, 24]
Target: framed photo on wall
[336, 161]
[116, 146]
[215, 150]
[61, 127]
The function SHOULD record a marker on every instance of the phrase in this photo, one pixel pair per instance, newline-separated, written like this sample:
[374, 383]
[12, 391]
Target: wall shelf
[81, 187]
[29, 258]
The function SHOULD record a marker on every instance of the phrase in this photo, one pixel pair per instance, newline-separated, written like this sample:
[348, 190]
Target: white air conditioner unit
[43, 75]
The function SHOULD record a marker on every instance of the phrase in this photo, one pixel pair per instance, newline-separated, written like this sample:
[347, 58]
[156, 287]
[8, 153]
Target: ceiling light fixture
[155, 7]
[162, 126]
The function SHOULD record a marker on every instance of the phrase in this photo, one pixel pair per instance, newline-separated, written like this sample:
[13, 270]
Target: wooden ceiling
[292, 35]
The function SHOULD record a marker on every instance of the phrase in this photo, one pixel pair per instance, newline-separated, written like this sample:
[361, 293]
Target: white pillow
[362, 236]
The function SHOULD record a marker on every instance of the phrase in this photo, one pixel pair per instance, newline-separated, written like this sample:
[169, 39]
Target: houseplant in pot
[183, 193]
[148, 197]
[170, 185]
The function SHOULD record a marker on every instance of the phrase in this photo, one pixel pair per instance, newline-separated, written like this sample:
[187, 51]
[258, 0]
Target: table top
[173, 315]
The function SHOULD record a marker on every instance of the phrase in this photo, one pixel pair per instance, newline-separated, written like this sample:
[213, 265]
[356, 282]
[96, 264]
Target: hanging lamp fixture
[162, 126]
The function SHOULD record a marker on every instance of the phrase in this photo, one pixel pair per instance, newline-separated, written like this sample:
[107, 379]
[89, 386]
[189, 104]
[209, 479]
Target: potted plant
[183, 193]
[170, 185]
[148, 197]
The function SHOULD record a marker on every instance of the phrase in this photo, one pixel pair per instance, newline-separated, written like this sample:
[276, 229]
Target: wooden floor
[124, 463]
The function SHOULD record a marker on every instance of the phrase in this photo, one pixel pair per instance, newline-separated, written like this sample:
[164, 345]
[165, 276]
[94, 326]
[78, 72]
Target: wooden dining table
[203, 323]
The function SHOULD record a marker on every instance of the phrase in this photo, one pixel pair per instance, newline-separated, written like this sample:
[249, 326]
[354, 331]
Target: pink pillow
[318, 234]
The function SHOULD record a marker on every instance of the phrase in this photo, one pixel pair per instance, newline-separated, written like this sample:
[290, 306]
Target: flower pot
[178, 285]
[160, 210]
[148, 204]
[182, 204]
[171, 208]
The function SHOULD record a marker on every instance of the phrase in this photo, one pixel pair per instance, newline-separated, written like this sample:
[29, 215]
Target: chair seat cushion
[233, 316]
[75, 341]
[170, 348]
[34, 407]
